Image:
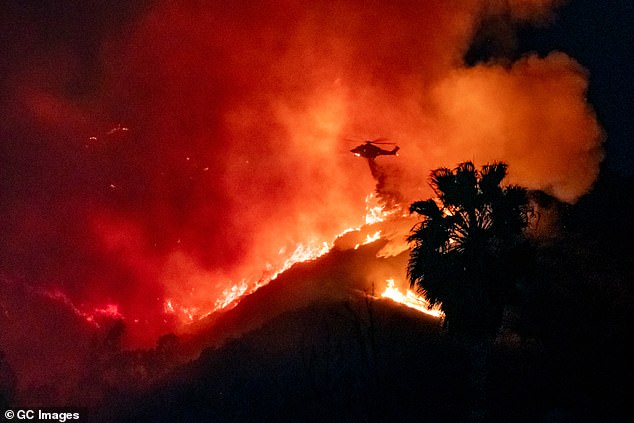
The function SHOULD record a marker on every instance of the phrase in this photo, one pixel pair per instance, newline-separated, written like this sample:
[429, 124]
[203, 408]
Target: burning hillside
[159, 171]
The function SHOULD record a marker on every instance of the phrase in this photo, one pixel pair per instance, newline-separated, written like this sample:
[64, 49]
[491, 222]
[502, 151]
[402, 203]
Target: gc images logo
[41, 415]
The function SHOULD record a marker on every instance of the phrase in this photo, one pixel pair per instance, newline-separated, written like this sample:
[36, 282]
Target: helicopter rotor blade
[371, 141]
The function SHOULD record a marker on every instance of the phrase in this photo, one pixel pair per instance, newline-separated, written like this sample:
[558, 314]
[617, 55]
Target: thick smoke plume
[170, 151]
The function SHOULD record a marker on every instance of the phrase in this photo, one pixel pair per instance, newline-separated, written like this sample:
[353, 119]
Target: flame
[411, 299]
[369, 238]
[109, 311]
[374, 211]
[302, 253]
[231, 296]
[305, 252]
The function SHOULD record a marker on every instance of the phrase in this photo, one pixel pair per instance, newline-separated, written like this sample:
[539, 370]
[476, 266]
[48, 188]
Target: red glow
[190, 158]
[93, 316]
[217, 171]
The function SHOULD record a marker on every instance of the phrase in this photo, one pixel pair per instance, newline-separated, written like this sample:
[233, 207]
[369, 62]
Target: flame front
[411, 300]
[232, 295]
[93, 316]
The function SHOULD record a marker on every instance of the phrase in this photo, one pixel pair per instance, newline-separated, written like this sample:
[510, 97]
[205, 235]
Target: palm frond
[442, 181]
[466, 185]
[491, 177]
[427, 208]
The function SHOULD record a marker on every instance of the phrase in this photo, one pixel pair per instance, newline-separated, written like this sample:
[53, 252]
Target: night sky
[599, 35]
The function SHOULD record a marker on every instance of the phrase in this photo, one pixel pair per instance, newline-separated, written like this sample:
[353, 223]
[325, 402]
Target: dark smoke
[387, 185]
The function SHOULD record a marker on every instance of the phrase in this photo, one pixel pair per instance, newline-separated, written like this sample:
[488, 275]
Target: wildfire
[187, 313]
[231, 296]
[109, 311]
[374, 211]
[369, 238]
[302, 253]
[411, 299]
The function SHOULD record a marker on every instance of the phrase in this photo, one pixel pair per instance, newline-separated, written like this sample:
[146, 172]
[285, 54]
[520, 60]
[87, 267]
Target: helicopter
[370, 151]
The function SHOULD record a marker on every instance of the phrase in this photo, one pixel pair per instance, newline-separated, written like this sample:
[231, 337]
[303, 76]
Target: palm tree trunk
[479, 351]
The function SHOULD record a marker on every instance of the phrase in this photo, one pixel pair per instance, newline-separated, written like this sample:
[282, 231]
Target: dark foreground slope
[375, 361]
[354, 360]
[360, 360]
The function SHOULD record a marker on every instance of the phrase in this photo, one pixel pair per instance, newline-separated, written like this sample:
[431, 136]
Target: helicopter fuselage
[371, 151]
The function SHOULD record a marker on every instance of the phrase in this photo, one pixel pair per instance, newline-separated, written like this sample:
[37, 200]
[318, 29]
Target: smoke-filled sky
[158, 150]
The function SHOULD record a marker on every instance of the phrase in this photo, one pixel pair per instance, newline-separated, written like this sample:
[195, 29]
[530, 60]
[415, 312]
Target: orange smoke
[531, 115]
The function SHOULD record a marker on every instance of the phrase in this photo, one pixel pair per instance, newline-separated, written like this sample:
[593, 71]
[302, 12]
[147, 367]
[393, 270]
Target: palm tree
[464, 252]
[466, 255]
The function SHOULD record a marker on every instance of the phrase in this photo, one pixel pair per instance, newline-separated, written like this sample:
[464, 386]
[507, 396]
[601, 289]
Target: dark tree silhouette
[466, 251]
[466, 255]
